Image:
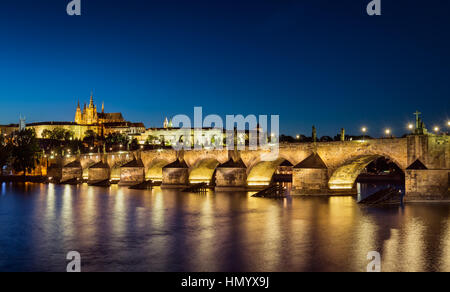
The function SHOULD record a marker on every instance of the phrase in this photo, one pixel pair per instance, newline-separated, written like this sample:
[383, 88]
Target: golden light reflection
[67, 212]
[205, 244]
[414, 246]
[120, 216]
[444, 264]
[49, 214]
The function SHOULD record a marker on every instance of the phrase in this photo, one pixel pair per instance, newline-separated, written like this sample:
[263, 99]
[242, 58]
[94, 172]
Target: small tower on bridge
[420, 125]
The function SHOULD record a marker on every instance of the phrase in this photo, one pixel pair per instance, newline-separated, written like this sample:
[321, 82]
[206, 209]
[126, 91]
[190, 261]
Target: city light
[364, 130]
[388, 132]
[411, 126]
[436, 129]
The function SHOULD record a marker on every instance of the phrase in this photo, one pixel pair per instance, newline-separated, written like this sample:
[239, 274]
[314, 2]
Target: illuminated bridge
[321, 168]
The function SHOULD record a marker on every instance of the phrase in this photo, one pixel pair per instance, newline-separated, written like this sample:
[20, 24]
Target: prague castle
[105, 123]
[90, 116]
[88, 119]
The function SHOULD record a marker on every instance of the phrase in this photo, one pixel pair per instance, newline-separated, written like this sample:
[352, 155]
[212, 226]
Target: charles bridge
[316, 168]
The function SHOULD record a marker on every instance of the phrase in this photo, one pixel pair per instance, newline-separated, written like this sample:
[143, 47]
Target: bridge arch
[154, 171]
[203, 171]
[262, 172]
[345, 176]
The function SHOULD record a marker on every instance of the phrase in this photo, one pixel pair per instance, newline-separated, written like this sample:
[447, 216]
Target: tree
[46, 134]
[5, 153]
[134, 144]
[90, 137]
[117, 139]
[58, 134]
[25, 149]
[151, 139]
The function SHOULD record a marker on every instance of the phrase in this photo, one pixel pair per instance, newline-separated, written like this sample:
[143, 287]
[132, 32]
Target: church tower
[78, 116]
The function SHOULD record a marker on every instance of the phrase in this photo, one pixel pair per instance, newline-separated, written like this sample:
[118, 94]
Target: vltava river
[118, 229]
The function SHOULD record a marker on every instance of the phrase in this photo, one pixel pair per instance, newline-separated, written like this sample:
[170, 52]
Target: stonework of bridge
[319, 168]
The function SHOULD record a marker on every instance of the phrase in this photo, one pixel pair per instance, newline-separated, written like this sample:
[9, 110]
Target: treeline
[20, 151]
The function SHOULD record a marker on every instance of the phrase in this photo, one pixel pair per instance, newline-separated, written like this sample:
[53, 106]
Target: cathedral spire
[91, 103]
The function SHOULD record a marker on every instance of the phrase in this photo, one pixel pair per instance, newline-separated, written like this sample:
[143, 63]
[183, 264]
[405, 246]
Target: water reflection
[118, 229]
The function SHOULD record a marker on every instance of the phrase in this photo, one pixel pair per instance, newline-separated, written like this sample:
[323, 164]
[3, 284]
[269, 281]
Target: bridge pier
[72, 171]
[310, 176]
[175, 175]
[231, 176]
[99, 172]
[427, 177]
[132, 173]
[427, 185]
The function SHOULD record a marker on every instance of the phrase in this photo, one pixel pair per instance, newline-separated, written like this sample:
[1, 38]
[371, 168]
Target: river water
[117, 229]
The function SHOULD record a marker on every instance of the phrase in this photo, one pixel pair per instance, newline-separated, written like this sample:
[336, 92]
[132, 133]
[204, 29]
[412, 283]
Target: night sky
[317, 62]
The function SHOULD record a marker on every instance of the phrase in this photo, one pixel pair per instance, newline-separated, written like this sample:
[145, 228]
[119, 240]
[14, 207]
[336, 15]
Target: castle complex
[105, 123]
[88, 119]
[90, 116]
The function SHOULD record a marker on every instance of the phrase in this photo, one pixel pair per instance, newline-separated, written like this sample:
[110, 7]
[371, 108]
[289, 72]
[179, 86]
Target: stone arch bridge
[316, 167]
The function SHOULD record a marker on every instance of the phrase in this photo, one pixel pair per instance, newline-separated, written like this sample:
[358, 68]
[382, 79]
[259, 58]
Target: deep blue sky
[312, 62]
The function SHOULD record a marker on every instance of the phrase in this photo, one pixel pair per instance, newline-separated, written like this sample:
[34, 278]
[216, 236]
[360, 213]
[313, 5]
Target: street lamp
[388, 132]
[411, 127]
[364, 130]
[436, 130]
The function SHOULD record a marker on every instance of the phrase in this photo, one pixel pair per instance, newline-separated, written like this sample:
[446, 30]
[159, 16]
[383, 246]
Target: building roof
[177, 164]
[123, 125]
[73, 164]
[312, 162]
[111, 116]
[100, 164]
[417, 165]
[286, 163]
[233, 164]
[134, 164]
[52, 124]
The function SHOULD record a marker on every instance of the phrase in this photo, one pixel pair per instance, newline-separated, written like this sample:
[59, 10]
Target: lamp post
[436, 130]
[364, 130]
[388, 133]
